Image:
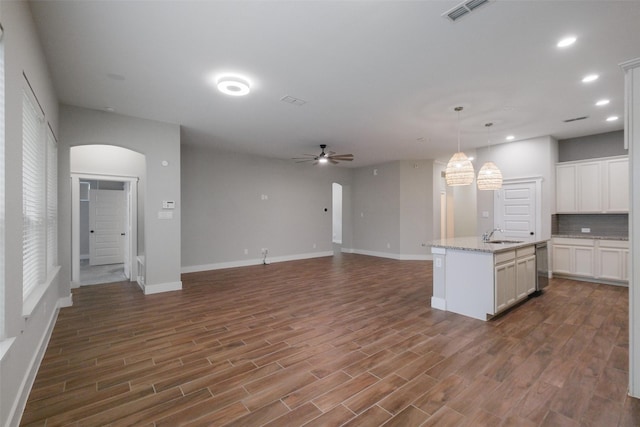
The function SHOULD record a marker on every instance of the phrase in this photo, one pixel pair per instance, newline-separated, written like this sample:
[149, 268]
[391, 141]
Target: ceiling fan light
[489, 177]
[323, 159]
[459, 170]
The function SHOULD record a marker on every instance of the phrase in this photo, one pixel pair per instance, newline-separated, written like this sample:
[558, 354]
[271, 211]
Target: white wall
[235, 202]
[416, 208]
[21, 352]
[534, 157]
[157, 142]
[392, 207]
[376, 210]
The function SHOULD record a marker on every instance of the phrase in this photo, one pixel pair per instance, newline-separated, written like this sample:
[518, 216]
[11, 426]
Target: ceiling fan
[328, 157]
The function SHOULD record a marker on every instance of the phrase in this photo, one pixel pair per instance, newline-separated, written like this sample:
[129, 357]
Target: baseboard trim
[161, 287]
[399, 257]
[438, 303]
[27, 382]
[65, 301]
[246, 263]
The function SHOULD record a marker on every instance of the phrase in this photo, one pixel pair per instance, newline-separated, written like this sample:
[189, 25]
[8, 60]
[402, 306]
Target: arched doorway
[113, 239]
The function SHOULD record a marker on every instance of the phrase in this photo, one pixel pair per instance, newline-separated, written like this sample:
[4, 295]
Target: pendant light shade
[459, 170]
[489, 176]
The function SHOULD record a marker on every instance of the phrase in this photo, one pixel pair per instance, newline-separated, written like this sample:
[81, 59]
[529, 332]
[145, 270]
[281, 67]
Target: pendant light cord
[458, 109]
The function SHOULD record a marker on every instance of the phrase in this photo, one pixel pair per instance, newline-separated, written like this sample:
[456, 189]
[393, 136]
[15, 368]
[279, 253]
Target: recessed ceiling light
[510, 138]
[567, 41]
[590, 78]
[602, 102]
[233, 85]
[612, 118]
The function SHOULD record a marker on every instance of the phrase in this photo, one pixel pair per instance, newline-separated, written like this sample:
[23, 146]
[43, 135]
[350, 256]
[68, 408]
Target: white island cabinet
[480, 280]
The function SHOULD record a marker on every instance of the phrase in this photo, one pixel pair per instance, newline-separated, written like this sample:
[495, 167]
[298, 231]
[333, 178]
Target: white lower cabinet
[573, 257]
[505, 277]
[612, 260]
[525, 276]
[591, 258]
[515, 276]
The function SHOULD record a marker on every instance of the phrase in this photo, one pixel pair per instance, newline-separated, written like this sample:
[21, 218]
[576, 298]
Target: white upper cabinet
[616, 176]
[566, 188]
[594, 186]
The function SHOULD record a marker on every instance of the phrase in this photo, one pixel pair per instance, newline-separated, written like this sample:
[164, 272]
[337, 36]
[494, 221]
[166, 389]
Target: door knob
[91, 231]
[531, 233]
[122, 234]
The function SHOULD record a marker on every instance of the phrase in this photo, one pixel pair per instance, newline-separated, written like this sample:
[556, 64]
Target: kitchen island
[481, 279]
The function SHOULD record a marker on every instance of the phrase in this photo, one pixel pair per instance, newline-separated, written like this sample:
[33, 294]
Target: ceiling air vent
[575, 119]
[295, 101]
[463, 8]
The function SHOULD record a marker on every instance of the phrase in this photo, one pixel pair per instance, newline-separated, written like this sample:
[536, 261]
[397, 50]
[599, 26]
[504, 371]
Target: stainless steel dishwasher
[542, 266]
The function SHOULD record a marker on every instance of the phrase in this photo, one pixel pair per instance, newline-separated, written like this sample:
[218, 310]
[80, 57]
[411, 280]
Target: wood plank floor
[347, 340]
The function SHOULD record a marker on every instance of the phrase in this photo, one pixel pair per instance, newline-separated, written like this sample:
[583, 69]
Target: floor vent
[463, 8]
[291, 100]
[575, 119]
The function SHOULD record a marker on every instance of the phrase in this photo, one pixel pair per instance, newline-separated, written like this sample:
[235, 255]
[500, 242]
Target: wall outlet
[246, 251]
[388, 245]
[314, 246]
[586, 230]
[264, 251]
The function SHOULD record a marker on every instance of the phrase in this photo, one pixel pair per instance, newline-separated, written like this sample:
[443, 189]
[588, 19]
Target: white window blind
[33, 194]
[52, 201]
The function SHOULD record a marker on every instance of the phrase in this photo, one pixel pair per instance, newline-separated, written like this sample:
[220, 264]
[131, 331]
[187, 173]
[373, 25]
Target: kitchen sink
[504, 241]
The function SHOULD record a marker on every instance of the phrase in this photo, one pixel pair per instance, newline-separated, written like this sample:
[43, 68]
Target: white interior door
[515, 210]
[107, 210]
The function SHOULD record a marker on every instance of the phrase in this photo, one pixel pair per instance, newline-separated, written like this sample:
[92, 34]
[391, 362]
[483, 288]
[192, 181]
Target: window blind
[52, 201]
[33, 195]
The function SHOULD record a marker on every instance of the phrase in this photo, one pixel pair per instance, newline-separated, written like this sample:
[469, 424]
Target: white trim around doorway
[75, 222]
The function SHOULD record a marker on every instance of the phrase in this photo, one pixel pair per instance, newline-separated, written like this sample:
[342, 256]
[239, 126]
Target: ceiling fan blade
[331, 153]
[304, 161]
[342, 157]
[302, 158]
[333, 161]
[315, 163]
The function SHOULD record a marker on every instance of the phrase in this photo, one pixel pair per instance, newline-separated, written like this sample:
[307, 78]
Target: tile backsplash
[614, 225]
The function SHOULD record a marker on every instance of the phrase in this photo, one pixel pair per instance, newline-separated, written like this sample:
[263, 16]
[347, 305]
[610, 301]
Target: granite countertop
[589, 236]
[478, 245]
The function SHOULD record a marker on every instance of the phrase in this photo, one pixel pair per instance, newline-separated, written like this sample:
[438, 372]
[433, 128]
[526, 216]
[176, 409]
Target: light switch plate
[586, 230]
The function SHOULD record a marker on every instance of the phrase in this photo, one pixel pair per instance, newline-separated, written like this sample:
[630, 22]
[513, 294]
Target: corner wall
[393, 209]
[158, 142]
[534, 157]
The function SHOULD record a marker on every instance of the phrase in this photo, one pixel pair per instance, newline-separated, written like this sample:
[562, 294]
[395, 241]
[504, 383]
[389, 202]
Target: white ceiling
[381, 78]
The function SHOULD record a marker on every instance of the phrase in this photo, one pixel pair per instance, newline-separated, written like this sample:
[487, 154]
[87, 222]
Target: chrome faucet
[489, 234]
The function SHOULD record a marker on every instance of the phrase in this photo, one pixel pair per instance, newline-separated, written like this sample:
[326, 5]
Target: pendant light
[459, 169]
[489, 177]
